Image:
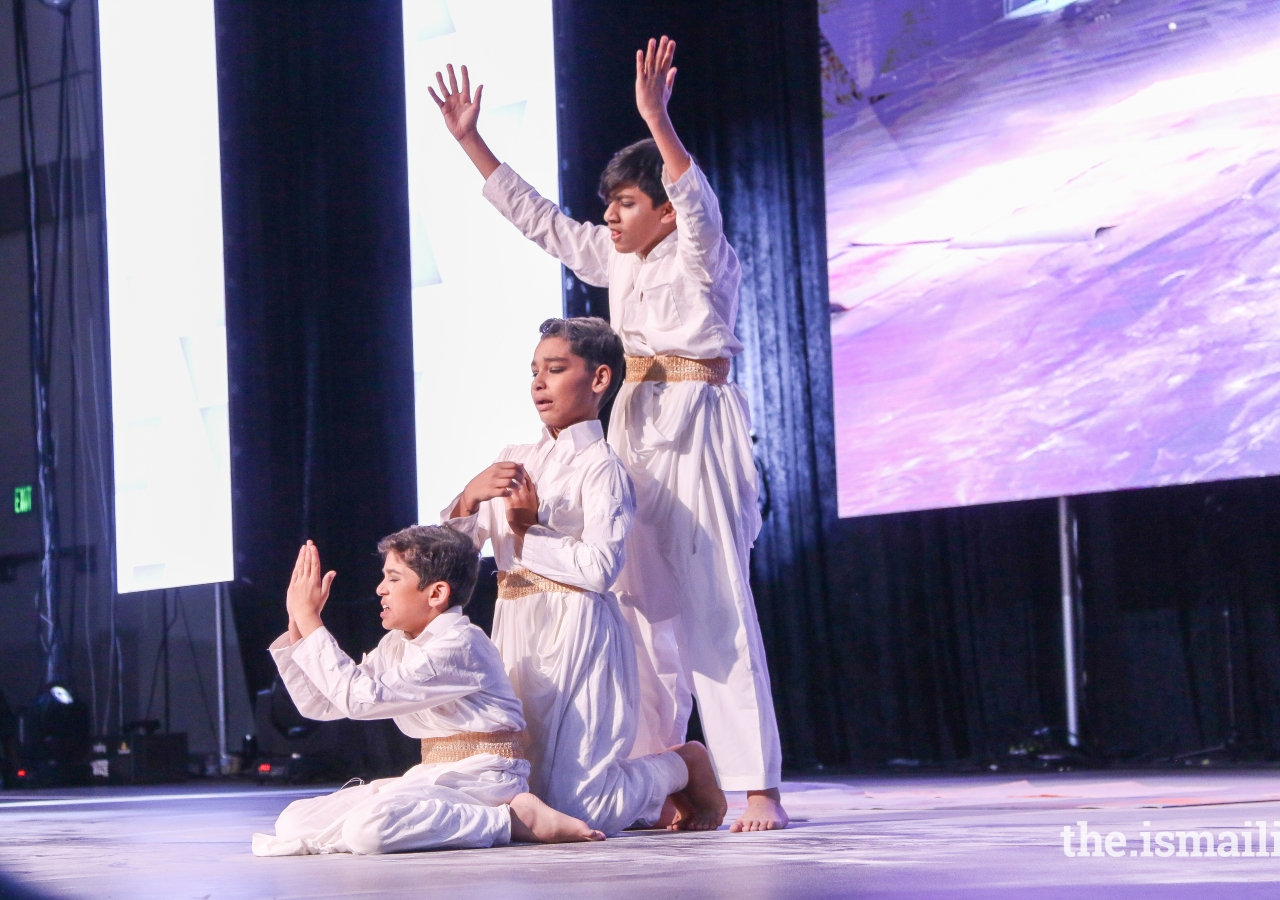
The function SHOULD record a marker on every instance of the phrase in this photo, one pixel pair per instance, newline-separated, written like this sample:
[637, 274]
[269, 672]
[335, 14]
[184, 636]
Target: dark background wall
[126, 683]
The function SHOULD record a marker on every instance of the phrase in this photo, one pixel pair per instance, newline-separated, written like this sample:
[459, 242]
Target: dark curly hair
[437, 553]
[596, 342]
[638, 164]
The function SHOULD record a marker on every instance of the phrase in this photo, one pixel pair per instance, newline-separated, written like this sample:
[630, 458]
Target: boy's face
[635, 225]
[565, 390]
[404, 606]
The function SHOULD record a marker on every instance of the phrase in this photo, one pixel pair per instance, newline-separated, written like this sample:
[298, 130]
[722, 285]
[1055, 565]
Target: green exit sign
[22, 499]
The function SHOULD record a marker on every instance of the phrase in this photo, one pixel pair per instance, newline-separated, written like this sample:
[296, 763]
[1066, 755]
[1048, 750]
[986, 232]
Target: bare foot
[701, 805]
[764, 812]
[532, 821]
[670, 814]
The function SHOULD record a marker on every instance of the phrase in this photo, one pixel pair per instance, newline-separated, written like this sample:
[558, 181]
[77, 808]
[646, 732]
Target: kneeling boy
[441, 680]
[559, 547]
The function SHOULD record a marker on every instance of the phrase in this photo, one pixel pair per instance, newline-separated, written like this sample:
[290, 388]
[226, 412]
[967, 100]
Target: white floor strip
[156, 798]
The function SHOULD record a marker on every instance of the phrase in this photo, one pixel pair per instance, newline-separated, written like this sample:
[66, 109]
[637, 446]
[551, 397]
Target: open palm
[655, 77]
[459, 108]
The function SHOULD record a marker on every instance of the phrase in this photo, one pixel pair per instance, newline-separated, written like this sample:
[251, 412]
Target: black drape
[747, 104]
[1182, 620]
[318, 303]
[950, 636]
[947, 628]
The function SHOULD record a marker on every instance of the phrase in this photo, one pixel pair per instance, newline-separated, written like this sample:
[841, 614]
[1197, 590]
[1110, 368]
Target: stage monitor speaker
[292, 748]
[140, 758]
[52, 747]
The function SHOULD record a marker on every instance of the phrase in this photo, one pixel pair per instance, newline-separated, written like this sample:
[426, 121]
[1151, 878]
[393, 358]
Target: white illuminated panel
[165, 280]
[480, 289]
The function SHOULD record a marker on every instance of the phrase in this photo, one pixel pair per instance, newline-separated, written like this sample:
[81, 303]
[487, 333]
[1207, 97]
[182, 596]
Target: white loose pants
[450, 806]
[685, 590]
[572, 663]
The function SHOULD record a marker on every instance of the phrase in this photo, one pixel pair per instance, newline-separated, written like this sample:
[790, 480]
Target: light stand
[224, 759]
[1067, 557]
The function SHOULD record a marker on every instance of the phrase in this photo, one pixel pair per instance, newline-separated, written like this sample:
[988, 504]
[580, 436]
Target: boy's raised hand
[460, 110]
[655, 78]
[308, 591]
[499, 480]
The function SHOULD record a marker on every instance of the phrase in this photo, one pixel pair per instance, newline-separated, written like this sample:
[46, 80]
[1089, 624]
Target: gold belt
[457, 747]
[521, 582]
[677, 368]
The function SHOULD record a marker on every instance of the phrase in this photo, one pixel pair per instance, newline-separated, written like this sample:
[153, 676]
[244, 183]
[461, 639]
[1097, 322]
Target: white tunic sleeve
[702, 248]
[474, 526]
[593, 561]
[583, 247]
[309, 700]
[378, 690]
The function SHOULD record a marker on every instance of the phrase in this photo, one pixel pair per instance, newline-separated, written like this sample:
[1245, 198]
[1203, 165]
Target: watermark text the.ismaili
[1255, 839]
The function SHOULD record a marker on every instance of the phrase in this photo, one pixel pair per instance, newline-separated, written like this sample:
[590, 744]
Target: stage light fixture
[53, 739]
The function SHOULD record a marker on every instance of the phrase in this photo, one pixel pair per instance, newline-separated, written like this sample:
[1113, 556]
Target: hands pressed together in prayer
[308, 593]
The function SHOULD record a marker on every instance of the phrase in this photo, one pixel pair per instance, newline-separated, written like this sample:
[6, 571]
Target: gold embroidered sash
[457, 747]
[520, 582]
[677, 368]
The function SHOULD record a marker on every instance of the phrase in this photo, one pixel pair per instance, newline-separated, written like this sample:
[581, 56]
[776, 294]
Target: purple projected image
[1053, 247]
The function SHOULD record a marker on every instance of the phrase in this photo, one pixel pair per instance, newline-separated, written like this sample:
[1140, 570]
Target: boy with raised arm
[558, 512]
[680, 428]
[442, 681]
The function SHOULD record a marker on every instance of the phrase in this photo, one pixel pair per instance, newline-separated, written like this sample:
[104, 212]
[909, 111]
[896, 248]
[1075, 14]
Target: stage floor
[989, 836]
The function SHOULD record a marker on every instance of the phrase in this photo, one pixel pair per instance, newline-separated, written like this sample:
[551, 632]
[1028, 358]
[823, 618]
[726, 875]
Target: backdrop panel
[1051, 246]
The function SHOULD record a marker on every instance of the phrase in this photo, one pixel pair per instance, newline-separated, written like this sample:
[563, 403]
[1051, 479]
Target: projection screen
[165, 288]
[480, 289]
[1053, 246]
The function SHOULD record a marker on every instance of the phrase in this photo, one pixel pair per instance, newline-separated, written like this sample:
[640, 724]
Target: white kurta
[447, 680]
[685, 590]
[569, 654]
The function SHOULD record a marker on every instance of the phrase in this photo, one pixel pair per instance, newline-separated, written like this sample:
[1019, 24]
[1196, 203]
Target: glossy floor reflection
[979, 836]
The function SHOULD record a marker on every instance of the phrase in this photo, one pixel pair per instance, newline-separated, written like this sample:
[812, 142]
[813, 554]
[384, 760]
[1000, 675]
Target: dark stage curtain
[1182, 623]
[747, 104]
[318, 303]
